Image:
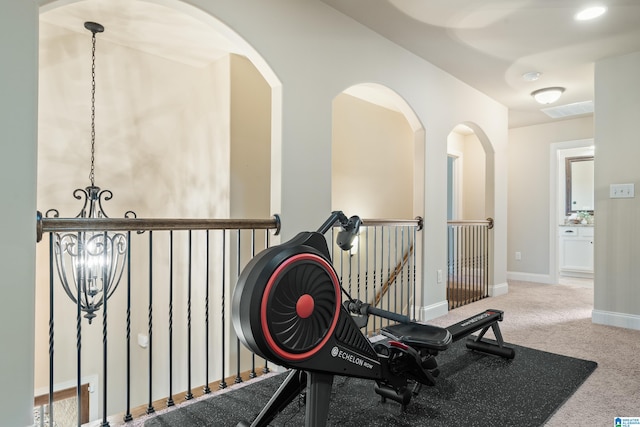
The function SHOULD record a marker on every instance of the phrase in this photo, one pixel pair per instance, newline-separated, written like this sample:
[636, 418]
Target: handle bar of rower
[365, 309]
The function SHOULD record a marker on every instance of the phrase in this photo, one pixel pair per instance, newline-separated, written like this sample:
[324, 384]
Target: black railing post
[51, 359]
[150, 408]
[189, 394]
[223, 383]
[127, 415]
[253, 374]
[238, 377]
[105, 295]
[265, 369]
[170, 401]
[206, 389]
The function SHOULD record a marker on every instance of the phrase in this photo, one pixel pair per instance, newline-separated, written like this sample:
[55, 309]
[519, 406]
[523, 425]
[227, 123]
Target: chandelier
[90, 263]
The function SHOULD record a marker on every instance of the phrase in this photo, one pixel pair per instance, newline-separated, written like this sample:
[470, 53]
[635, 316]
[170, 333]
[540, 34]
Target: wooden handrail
[49, 225]
[488, 222]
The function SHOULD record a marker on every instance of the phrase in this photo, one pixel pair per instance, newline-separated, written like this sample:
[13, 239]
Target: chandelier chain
[93, 108]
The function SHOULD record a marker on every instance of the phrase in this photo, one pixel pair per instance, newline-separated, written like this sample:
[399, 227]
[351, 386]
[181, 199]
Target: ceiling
[490, 44]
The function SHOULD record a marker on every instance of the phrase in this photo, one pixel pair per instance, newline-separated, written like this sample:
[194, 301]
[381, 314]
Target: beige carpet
[558, 319]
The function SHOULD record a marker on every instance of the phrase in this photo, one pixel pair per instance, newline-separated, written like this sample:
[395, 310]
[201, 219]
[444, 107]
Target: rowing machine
[287, 308]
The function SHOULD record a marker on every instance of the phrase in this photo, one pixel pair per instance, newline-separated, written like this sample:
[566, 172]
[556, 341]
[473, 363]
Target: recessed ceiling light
[590, 13]
[531, 76]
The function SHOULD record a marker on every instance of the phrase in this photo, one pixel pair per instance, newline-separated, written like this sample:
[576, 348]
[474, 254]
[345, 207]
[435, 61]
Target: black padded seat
[419, 335]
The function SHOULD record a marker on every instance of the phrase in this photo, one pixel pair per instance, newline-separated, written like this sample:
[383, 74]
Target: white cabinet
[576, 251]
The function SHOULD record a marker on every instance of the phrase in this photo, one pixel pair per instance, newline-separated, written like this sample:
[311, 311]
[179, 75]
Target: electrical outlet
[518, 256]
[439, 274]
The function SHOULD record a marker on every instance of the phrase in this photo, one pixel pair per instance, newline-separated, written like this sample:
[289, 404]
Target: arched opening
[187, 124]
[377, 154]
[378, 173]
[470, 207]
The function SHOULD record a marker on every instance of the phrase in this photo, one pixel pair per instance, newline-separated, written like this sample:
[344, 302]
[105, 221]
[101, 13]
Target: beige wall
[617, 270]
[250, 141]
[529, 193]
[472, 158]
[372, 160]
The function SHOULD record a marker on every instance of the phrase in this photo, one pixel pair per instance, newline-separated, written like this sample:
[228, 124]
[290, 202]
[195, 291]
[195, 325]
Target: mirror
[579, 184]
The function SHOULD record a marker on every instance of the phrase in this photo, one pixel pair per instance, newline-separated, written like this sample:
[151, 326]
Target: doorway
[567, 233]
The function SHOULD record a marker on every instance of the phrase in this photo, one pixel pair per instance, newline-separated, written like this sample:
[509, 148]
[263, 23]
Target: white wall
[617, 231]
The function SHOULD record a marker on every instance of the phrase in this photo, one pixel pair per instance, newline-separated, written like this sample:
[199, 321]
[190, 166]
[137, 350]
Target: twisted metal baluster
[150, 408]
[170, 401]
[189, 394]
[223, 383]
[206, 389]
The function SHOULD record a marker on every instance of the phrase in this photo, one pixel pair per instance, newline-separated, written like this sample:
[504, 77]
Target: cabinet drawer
[569, 231]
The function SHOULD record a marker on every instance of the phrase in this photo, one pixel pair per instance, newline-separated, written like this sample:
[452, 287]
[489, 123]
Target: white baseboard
[530, 277]
[434, 310]
[499, 289]
[622, 320]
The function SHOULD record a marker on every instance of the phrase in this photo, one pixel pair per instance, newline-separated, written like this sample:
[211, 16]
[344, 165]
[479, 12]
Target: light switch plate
[621, 191]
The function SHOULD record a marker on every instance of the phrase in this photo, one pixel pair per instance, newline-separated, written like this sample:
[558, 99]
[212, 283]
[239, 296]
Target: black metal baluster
[375, 266]
[458, 279]
[105, 296]
[81, 285]
[402, 264]
[206, 389]
[189, 394]
[366, 262]
[150, 408]
[51, 281]
[265, 370]
[413, 276]
[127, 415]
[223, 382]
[395, 270]
[253, 374]
[170, 401]
[388, 273]
[238, 377]
[476, 284]
[358, 269]
[349, 258]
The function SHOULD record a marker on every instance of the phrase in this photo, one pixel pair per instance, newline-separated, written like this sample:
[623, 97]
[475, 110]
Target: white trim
[498, 289]
[457, 190]
[434, 310]
[622, 320]
[546, 279]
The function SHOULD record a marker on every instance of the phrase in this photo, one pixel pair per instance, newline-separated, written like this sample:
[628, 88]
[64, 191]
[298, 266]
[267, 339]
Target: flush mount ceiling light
[590, 13]
[548, 95]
